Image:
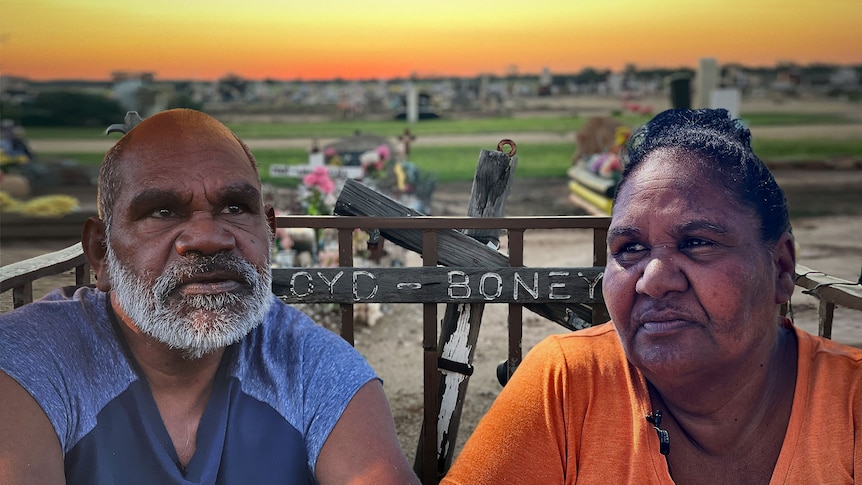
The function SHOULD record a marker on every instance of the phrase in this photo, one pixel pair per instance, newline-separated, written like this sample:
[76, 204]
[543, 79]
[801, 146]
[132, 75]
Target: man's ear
[270, 219]
[95, 250]
[784, 256]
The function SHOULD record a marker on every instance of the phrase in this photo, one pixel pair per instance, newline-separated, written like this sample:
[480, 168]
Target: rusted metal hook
[513, 149]
[131, 120]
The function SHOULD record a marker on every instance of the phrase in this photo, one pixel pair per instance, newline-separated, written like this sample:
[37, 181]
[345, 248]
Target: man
[181, 366]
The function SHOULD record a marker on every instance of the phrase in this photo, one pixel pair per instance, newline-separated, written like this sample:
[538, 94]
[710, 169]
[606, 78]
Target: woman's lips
[656, 321]
[664, 326]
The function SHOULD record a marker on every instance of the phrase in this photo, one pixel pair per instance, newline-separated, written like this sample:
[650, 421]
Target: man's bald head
[175, 124]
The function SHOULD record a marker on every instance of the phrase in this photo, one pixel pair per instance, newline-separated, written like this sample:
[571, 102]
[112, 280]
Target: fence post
[459, 329]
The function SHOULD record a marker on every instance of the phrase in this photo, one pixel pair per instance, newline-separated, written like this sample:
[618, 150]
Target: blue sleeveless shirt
[278, 394]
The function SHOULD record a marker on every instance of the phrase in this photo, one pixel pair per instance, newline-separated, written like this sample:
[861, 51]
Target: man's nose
[662, 276]
[204, 233]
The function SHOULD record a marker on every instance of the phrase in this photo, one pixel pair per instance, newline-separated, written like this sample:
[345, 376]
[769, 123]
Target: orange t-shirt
[574, 412]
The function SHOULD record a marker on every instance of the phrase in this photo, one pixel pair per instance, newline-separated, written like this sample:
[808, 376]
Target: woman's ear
[93, 241]
[784, 257]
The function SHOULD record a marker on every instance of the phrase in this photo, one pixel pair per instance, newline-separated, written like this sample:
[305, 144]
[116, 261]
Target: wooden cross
[406, 138]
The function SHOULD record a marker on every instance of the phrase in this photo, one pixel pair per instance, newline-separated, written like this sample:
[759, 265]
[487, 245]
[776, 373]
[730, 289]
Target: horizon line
[415, 76]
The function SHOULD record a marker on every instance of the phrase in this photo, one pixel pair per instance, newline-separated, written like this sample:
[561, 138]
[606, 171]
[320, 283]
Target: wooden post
[459, 330]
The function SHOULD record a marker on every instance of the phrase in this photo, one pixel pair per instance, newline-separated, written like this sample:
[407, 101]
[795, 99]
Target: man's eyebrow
[241, 190]
[154, 196]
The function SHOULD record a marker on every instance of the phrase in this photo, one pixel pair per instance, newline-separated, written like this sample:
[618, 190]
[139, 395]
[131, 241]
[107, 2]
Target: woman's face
[689, 284]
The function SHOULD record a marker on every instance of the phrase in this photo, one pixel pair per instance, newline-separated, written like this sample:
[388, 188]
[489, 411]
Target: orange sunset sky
[353, 39]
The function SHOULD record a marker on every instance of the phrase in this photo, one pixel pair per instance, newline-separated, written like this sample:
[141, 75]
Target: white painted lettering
[553, 286]
[592, 284]
[483, 281]
[370, 295]
[463, 283]
[520, 283]
[309, 284]
[330, 284]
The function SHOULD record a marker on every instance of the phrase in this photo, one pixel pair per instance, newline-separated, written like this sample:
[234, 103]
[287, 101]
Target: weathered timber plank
[454, 248]
[438, 285]
[50, 264]
[836, 290]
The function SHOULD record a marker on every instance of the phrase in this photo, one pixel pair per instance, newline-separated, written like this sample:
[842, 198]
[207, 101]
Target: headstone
[336, 172]
[727, 98]
[315, 159]
[412, 103]
[680, 91]
[545, 82]
[707, 81]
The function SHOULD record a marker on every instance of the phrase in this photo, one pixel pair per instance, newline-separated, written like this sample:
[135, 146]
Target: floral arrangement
[44, 206]
[609, 164]
[319, 190]
[374, 162]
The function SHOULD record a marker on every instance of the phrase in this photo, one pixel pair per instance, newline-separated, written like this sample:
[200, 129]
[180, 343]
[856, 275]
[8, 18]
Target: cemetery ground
[826, 212]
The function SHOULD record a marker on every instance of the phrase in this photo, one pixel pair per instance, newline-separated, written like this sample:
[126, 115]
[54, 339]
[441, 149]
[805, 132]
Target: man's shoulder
[54, 347]
[287, 337]
[63, 294]
[283, 321]
[60, 311]
[299, 368]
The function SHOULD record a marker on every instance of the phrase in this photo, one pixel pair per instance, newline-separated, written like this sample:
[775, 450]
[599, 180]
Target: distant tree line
[74, 108]
[64, 108]
[78, 103]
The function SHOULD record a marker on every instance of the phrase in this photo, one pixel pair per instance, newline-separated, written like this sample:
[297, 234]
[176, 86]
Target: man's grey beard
[198, 324]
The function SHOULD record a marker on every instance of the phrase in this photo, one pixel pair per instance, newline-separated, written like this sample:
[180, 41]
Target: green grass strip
[458, 163]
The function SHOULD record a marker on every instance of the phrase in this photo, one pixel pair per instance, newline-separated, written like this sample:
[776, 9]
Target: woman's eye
[633, 248]
[695, 243]
[630, 252]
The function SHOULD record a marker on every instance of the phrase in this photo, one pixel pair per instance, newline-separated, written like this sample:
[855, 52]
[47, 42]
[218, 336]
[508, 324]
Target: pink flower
[383, 152]
[319, 178]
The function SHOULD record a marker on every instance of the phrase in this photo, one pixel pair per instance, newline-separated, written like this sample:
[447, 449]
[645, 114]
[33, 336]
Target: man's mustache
[225, 265]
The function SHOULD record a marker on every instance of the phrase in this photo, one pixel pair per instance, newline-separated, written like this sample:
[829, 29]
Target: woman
[697, 379]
